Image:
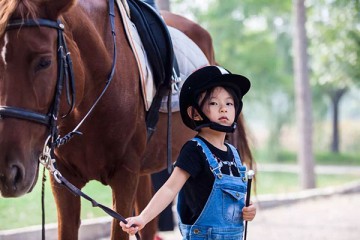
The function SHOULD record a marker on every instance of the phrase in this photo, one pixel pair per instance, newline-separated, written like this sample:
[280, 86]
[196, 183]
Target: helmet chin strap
[222, 128]
[205, 122]
[218, 127]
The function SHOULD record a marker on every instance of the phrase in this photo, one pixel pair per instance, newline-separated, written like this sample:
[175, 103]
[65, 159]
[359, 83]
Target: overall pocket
[232, 203]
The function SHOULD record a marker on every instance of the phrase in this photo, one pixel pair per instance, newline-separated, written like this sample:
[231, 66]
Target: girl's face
[219, 107]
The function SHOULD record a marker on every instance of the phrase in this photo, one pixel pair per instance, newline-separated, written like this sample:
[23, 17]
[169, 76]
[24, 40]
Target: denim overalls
[221, 217]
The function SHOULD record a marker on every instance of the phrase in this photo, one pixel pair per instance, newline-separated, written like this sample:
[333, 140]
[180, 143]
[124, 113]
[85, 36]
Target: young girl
[209, 176]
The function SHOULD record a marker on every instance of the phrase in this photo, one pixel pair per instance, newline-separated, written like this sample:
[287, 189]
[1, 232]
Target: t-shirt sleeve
[191, 159]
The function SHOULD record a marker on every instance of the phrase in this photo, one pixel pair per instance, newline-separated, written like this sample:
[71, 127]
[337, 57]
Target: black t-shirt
[199, 185]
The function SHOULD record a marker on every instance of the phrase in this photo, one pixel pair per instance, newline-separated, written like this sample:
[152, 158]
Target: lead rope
[48, 161]
[46, 156]
[43, 205]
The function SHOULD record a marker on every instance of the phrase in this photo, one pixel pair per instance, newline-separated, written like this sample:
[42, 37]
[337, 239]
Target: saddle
[156, 39]
[157, 43]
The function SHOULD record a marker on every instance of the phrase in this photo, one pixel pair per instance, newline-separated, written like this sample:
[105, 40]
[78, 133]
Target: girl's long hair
[241, 141]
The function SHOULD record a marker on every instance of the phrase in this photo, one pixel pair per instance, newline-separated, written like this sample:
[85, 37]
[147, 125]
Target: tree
[303, 96]
[334, 48]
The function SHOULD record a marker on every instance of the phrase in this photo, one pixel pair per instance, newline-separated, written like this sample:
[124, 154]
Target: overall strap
[214, 165]
[241, 168]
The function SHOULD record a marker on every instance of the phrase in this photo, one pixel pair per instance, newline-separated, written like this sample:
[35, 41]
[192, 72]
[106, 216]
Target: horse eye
[43, 63]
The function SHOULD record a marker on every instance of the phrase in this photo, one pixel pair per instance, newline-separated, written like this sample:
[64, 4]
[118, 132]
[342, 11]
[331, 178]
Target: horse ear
[54, 8]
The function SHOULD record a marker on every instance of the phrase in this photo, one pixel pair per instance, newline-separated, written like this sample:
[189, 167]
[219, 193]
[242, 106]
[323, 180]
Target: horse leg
[144, 193]
[123, 184]
[68, 210]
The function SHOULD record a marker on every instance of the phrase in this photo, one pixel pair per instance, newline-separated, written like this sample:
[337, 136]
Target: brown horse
[113, 148]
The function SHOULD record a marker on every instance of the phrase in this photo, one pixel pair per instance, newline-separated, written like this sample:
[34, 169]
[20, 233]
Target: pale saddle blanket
[189, 57]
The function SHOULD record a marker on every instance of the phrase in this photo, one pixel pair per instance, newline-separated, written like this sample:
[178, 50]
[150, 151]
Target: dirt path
[327, 218]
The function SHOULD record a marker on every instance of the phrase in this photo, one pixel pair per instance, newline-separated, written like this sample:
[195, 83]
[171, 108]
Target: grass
[321, 158]
[26, 211]
[280, 182]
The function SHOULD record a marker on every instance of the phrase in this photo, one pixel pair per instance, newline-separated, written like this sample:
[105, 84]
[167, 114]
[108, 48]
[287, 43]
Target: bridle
[65, 75]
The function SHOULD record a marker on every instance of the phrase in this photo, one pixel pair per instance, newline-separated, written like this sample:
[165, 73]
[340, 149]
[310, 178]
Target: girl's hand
[134, 224]
[249, 212]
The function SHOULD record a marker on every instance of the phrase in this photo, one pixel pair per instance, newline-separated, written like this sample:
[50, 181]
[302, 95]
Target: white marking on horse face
[3, 50]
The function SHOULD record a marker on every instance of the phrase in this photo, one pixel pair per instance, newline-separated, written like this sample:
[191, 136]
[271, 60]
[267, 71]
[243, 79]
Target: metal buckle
[48, 162]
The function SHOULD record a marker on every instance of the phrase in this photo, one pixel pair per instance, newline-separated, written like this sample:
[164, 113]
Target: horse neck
[92, 42]
[91, 54]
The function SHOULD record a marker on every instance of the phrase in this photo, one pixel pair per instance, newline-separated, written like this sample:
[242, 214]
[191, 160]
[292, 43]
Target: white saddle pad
[189, 57]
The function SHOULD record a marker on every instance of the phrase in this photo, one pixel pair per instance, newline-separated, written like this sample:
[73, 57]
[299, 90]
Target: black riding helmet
[207, 78]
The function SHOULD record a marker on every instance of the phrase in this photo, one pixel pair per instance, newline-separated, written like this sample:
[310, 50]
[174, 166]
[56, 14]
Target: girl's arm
[163, 197]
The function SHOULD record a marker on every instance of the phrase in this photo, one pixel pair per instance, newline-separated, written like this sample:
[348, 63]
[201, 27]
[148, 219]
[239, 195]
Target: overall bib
[221, 217]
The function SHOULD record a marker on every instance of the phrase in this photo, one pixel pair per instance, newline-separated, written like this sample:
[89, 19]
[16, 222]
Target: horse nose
[15, 175]
[12, 177]
[2, 177]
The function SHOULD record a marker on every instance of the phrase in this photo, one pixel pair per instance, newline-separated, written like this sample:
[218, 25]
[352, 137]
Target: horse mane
[24, 8]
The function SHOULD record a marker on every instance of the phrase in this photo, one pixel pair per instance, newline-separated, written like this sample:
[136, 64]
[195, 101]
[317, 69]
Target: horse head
[29, 85]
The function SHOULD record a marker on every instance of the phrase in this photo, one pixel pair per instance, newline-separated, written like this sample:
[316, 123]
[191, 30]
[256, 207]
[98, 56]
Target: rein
[65, 73]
